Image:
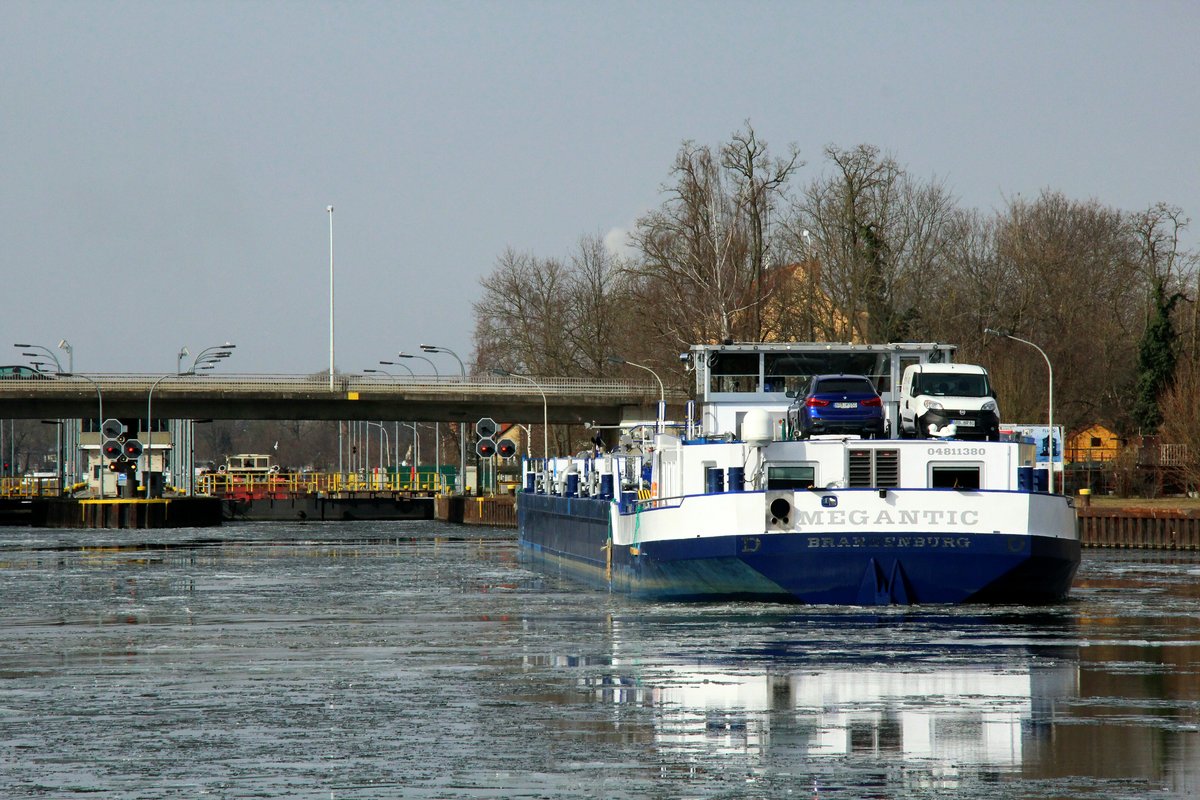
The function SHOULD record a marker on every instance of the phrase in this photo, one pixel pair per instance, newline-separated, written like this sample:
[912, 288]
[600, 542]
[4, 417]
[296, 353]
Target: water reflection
[1100, 697]
[769, 702]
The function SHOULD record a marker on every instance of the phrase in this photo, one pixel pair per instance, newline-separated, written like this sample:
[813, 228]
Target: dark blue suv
[846, 404]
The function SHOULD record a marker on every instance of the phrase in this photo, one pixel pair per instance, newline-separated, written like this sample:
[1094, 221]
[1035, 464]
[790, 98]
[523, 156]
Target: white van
[933, 396]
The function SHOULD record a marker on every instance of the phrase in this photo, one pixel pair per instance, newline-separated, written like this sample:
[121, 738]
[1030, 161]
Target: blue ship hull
[571, 537]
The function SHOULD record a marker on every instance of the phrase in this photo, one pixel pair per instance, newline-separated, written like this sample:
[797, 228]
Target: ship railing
[643, 502]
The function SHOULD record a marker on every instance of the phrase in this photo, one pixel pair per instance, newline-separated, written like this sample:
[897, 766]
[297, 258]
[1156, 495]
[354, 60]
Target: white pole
[330, 210]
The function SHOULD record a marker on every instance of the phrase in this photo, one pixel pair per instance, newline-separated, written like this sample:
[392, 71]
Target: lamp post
[397, 422]
[414, 472]
[46, 350]
[662, 392]
[428, 361]
[71, 443]
[545, 407]
[392, 364]
[63, 344]
[1050, 400]
[150, 428]
[386, 439]
[99, 408]
[437, 426]
[330, 210]
[462, 432]
[207, 359]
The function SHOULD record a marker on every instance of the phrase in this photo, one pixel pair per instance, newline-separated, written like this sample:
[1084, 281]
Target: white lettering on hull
[928, 518]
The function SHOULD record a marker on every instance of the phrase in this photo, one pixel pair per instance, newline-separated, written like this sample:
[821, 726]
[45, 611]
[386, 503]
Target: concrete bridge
[309, 397]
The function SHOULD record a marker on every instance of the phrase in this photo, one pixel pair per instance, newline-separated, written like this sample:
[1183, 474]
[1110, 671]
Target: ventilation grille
[870, 469]
[860, 469]
[887, 469]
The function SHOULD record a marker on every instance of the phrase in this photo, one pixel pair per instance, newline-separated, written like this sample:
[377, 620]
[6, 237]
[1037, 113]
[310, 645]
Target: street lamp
[1050, 401]
[206, 358]
[662, 392]
[397, 422]
[99, 408]
[414, 473]
[46, 350]
[545, 407]
[437, 426]
[386, 439]
[462, 433]
[428, 361]
[392, 364]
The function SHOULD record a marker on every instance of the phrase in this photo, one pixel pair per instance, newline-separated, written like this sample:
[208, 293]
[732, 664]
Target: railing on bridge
[204, 384]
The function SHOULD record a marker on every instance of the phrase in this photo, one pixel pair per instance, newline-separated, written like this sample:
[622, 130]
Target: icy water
[421, 660]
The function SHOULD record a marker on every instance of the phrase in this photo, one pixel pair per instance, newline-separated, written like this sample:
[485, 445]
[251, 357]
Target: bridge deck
[566, 400]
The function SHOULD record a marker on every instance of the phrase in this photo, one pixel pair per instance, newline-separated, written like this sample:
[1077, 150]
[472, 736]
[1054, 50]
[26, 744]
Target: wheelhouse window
[733, 372]
[791, 476]
[956, 476]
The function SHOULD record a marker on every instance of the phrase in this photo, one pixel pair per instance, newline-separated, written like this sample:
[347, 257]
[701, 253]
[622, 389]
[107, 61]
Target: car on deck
[838, 404]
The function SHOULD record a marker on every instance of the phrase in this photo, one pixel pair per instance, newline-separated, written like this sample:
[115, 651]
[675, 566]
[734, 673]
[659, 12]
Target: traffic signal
[132, 449]
[111, 449]
[506, 448]
[485, 447]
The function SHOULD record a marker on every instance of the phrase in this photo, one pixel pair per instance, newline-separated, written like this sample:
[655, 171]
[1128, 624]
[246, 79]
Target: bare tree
[703, 253]
[759, 184]
[879, 237]
[599, 310]
[1067, 279]
[520, 318]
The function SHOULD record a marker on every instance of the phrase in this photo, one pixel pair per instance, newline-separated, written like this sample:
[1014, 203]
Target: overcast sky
[165, 167]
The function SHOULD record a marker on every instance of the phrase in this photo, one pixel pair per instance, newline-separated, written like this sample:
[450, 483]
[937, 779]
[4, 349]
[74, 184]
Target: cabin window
[791, 476]
[954, 476]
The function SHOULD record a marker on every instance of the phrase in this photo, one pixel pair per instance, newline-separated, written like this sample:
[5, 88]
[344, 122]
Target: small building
[1095, 443]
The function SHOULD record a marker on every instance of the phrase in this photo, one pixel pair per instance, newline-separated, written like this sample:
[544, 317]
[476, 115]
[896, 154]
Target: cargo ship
[731, 504]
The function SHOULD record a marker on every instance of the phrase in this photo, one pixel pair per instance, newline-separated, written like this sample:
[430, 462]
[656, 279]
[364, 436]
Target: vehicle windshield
[943, 385]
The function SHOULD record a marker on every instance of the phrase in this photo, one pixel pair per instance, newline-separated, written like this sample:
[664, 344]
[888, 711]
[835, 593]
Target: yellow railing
[24, 487]
[220, 483]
